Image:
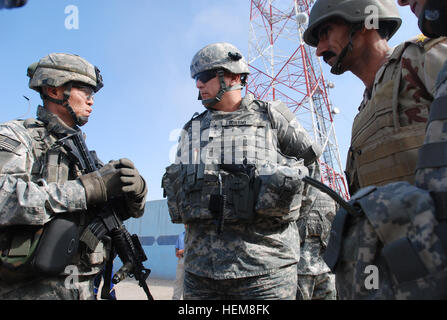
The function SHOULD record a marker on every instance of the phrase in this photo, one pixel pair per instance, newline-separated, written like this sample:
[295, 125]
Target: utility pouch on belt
[17, 247]
[58, 245]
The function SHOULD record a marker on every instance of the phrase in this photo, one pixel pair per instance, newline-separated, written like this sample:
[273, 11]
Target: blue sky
[143, 49]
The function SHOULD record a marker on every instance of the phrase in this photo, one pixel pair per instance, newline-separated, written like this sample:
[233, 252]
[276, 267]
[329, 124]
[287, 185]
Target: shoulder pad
[281, 108]
[261, 104]
[363, 192]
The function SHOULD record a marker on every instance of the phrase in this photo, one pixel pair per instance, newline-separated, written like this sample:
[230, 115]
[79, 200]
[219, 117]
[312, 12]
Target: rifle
[334, 195]
[108, 224]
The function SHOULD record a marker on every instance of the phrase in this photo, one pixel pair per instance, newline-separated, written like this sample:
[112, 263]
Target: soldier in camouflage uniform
[40, 183]
[237, 183]
[315, 279]
[391, 245]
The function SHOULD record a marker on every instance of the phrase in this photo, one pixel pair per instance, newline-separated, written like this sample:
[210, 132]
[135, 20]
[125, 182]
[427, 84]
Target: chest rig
[384, 144]
[52, 163]
[219, 177]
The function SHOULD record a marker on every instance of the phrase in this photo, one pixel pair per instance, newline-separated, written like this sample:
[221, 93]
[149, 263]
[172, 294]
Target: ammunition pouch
[310, 227]
[195, 196]
[281, 189]
[243, 192]
[195, 192]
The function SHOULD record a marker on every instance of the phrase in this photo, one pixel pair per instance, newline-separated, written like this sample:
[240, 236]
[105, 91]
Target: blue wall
[158, 236]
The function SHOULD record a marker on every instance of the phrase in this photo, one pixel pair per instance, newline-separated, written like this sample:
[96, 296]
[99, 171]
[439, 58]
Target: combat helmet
[9, 4]
[59, 69]
[432, 20]
[352, 11]
[221, 56]
[355, 13]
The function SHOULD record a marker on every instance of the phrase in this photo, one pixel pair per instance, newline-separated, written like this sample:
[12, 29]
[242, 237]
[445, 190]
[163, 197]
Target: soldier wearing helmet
[236, 183]
[386, 135]
[41, 183]
[399, 85]
[9, 4]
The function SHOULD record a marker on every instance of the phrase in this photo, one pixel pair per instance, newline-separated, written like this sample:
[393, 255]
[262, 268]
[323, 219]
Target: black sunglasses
[205, 76]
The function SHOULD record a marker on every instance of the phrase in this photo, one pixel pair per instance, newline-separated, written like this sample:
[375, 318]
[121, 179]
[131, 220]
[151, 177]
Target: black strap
[432, 155]
[440, 199]
[403, 260]
[106, 287]
[333, 249]
[438, 109]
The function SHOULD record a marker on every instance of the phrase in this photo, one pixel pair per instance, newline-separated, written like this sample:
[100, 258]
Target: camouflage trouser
[318, 287]
[280, 284]
[55, 288]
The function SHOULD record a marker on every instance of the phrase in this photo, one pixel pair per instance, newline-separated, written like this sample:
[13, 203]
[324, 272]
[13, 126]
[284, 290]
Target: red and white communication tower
[284, 68]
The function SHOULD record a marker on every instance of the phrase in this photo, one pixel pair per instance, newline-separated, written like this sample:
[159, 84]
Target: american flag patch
[8, 144]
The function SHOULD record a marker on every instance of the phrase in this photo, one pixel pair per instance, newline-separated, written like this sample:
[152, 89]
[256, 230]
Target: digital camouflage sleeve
[24, 199]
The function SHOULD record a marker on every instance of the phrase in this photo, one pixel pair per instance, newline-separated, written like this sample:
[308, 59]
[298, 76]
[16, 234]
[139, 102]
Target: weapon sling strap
[106, 288]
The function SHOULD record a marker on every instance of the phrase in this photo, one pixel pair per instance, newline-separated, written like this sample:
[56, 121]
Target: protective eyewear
[88, 91]
[205, 76]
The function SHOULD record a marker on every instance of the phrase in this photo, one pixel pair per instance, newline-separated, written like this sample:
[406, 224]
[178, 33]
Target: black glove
[102, 185]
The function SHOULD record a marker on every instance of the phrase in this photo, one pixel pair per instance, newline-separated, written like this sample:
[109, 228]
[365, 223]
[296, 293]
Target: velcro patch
[8, 144]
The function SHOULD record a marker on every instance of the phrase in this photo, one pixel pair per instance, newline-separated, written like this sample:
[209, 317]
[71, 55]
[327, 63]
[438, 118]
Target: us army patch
[8, 144]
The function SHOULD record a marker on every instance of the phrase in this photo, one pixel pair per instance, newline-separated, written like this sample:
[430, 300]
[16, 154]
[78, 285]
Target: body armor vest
[384, 144]
[221, 156]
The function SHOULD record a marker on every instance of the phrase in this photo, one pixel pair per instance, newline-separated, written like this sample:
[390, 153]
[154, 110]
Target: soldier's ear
[52, 92]
[234, 79]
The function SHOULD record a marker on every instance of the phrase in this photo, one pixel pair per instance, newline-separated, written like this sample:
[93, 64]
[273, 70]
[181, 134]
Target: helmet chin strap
[78, 120]
[210, 103]
[337, 68]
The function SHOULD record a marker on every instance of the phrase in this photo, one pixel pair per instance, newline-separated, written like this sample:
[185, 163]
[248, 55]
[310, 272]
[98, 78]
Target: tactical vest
[383, 149]
[52, 164]
[227, 159]
[407, 245]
